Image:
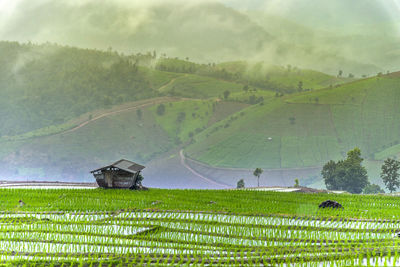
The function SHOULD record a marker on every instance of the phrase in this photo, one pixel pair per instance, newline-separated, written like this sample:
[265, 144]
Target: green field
[96, 227]
[194, 86]
[307, 129]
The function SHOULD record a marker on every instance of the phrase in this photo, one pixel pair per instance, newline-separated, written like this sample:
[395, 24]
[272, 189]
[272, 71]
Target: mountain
[308, 129]
[211, 32]
[67, 110]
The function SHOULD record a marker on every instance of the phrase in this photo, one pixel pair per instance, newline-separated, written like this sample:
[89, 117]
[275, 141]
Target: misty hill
[67, 110]
[288, 79]
[307, 129]
[48, 85]
[211, 32]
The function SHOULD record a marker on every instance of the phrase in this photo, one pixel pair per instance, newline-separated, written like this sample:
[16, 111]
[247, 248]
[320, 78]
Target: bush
[240, 184]
[161, 109]
[373, 189]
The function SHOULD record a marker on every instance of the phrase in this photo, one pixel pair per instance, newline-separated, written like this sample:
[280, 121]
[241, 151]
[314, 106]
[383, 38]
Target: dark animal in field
[330, 204]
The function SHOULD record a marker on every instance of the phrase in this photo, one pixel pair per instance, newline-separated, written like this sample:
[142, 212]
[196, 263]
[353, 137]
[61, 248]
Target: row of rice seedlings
[260, 220]
[245, 231]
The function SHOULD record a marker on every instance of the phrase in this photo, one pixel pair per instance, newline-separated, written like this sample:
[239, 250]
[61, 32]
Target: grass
[282, 77]
[243, 96]
[116, 136]
[244, 202]
[311, 128]
[392, 151]
[195, 86]
[183, 119]
[120, 135]
[195, 227]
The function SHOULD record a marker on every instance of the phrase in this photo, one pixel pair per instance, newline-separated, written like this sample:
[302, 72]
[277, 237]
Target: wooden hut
[120, 174]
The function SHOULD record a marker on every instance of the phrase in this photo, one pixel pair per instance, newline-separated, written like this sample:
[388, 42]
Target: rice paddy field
[78, 227]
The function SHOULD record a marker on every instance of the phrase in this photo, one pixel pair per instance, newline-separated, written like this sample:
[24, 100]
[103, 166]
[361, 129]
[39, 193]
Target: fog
[357, 37]
[324, 35]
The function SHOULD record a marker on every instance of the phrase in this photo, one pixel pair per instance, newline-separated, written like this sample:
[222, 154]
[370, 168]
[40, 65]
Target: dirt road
[105, 114]
[182, 156]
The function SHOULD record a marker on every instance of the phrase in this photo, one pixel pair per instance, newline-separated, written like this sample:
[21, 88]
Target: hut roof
[124, 165]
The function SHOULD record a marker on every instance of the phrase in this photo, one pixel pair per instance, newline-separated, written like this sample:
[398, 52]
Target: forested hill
[48, 84]
[64, 111]
[41, 85]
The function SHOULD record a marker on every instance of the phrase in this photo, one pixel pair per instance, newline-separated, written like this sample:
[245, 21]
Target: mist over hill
[359, 37]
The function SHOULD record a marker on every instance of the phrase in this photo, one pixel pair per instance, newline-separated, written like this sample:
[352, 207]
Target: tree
[138, 182]
[346, 174]
[181, 117]
[257, 173]
[340, 73]
[373, 189]
[300, 86]
[390, 174]
[161, 109]
[296, 183]
[240, 184]
[246, 88]
[139, 113]
[226, 94]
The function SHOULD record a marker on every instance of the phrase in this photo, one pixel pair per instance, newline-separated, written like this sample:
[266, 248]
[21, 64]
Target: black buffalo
[330, 204]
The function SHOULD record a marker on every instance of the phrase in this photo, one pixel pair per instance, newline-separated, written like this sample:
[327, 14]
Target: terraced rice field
[162, 238]
[278, 229]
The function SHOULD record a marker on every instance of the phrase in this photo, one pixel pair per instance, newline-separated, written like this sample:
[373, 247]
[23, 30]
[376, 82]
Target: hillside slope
[136, 131]
[306, 129]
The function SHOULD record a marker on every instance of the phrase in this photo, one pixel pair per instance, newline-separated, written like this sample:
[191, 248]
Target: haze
[200, 92]
[359, 35]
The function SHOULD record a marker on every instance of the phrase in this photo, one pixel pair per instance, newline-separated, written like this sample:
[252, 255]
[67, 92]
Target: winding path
[105, 114]
[182, 156]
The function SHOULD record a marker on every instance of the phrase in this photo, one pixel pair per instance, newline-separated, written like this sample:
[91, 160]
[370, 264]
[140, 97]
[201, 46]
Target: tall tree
[226, 94]
[390, 174]
[346, 174]
[257, 173]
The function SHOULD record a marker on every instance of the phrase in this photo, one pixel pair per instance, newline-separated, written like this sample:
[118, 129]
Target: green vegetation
[390, 174]
[184, 119]
[258, 75]
[346, 174]
[195, 86]
[307, 129]
[122, 133]
[67, 155]
[257, 173]
[45, 86]
[373, 189]
[240, 184]
[49, 87]
[224, 228]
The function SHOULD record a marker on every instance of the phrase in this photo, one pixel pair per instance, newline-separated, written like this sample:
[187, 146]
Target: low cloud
[324, 35]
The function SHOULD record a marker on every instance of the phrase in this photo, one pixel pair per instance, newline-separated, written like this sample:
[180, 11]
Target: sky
[299, 32]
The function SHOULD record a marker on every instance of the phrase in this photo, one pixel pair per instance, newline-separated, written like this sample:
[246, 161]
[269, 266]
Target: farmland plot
[163, 238]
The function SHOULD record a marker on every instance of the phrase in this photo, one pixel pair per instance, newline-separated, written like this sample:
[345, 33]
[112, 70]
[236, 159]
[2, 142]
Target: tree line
[43, 85]
[349, 175]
